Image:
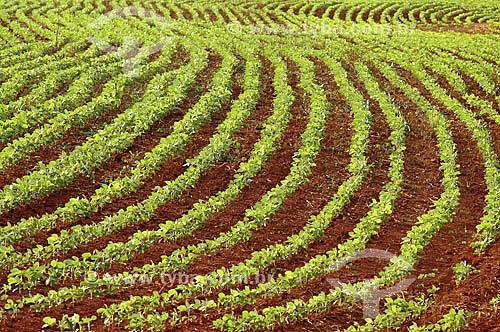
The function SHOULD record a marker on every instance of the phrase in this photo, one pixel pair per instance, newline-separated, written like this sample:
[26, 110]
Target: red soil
[421, 186]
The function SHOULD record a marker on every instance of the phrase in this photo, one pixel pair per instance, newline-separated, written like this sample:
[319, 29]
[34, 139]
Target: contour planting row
[412, 244]
[144, 210]
[115, 136]
[244, 175]
[72, 109]
[79, 92]
[16, 79]
[116, 188]
[212, 282]
[361, 234]
[119, 187]
[248, 170]
[240, 110]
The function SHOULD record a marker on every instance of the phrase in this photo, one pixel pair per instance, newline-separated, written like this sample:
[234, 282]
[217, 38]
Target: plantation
[249, 165]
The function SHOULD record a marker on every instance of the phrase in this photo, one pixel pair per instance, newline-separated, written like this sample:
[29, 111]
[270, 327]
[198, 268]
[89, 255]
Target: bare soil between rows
[421, 187]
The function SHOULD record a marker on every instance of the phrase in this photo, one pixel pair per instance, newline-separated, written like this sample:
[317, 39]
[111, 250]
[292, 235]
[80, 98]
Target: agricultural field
[249, 165]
